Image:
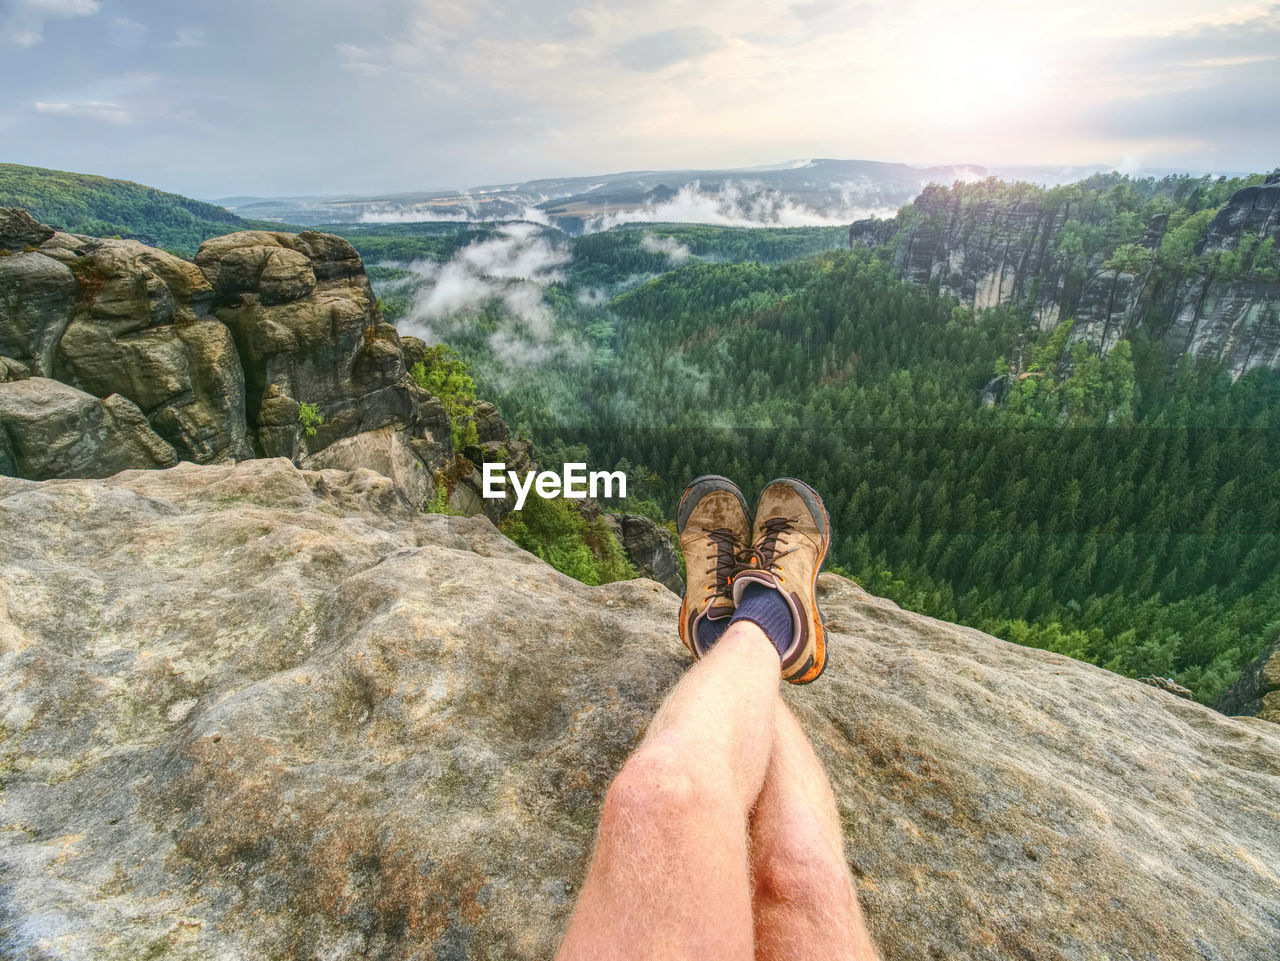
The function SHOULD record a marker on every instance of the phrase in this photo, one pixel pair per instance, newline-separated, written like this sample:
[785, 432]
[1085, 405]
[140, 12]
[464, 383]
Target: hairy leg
[805, 906]
[669, 878]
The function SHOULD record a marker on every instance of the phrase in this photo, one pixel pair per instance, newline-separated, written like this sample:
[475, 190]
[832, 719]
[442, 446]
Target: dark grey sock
[765, 607]
[711, 630]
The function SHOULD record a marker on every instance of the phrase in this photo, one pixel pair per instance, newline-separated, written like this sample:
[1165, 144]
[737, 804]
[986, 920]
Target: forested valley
[1121, 509]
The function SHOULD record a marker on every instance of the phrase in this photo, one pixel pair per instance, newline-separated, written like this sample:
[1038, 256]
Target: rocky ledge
[255, 711]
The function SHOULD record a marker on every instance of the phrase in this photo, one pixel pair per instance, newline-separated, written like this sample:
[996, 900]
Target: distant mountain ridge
[793, 193]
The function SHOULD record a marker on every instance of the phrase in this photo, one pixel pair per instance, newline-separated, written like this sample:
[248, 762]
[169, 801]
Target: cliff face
[1235, 320]
[1010, 249]
[250, 711]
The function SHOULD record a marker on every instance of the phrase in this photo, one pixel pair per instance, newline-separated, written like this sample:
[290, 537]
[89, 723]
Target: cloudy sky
[367, 96]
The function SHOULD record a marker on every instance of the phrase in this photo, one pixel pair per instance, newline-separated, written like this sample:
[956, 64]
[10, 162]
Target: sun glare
[974, 74]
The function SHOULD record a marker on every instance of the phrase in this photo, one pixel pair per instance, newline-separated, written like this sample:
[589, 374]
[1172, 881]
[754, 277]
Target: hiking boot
[713, 525]
[789, 540]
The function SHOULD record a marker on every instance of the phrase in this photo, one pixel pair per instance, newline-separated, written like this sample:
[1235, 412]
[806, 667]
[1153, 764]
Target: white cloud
[676, 251]
[741, 204]
[512, 270]
[24, 24]
[91, 109]
[382, 214]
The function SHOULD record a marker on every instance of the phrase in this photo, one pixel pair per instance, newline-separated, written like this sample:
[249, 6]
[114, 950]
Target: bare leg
[670, 877]
[804, 901]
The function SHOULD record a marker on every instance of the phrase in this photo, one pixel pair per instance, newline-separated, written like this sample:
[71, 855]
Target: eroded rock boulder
[251, 711]
[37, 297]
[305, 321]
[54, 430]
[388, 451]
[141, 329]
[19, 230]
[116, 317]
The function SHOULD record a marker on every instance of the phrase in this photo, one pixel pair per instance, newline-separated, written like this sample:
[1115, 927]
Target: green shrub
[310, 418]
[1129, 259]
[439, 503]
[585, 550]
[446, 375]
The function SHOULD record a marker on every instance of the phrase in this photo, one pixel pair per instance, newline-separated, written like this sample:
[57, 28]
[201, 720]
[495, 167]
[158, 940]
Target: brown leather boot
[789, 540]
[714, 528]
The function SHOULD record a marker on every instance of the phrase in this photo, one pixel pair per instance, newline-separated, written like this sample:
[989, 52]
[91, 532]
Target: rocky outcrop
[252, 711]
[987, 252]
[387, 451]
[649, 548]
[219, 355]
[305, 322]
[140, 328]
[996, 244]
[871, 232]
[1257, 692]
[19, 230]
[50, 429]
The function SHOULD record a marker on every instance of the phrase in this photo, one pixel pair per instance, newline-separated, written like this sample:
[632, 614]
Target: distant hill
[102, 207]
[792, 194]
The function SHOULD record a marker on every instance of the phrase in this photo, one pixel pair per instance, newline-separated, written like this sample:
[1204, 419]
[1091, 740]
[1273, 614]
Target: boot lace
[764, 553]
[726, 554]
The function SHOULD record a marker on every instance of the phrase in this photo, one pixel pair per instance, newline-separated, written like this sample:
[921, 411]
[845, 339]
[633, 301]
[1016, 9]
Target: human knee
[802, 869]
[654, 786]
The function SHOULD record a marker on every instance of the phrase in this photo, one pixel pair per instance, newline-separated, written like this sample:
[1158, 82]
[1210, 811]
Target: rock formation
[52, 430]
[1257, 692]
[248, 711]
[649, 547]
[1004, 247]
[215, 356]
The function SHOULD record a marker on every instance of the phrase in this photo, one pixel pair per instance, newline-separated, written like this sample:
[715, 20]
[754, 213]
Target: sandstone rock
[1234, 322]
[490, 427]
[434, 443]
[1007, 251]
[1254, 209]
[649, 548]
[54, 430]
[37, 296]
[141, 329]
[988, 253]
[466, 492]
[305, 320]
[252, 712]
[19, 230]
[1257, 692]
[415, 350]
[387, 451]
[115, 317]
[279, 429]
[8, 463]
[1109, 307]
[11, 370]
[872, 232]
